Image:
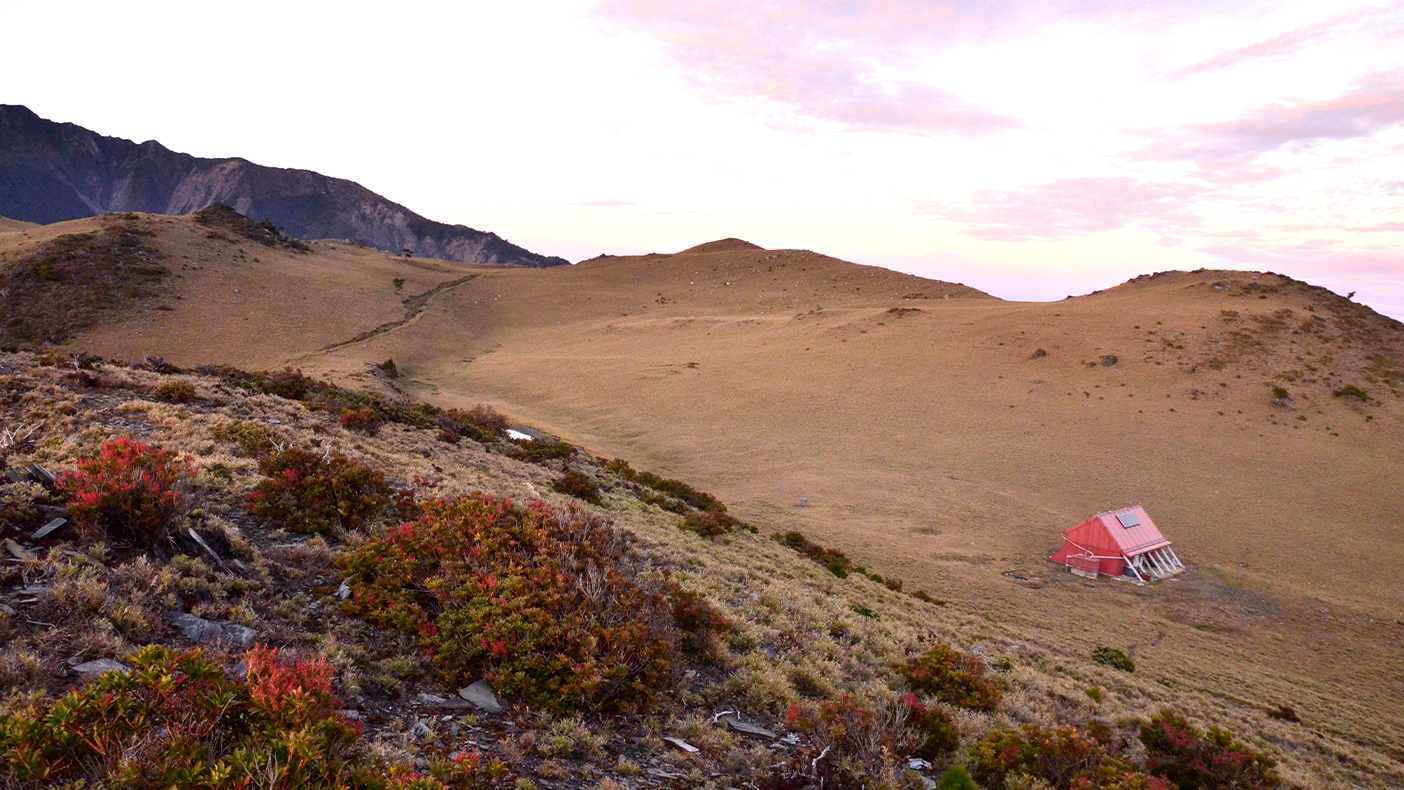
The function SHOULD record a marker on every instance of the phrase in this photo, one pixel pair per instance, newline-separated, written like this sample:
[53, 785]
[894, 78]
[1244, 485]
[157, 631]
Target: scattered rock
[100, 666]
[419, 731]
[214, 632]
[19, 552]
[426, 700]
[1039, 354]
[918, 764]
[735, 724]
[681, 745]
[1107, 360]
[50, 528]
[481, 694]
[344, 591]
[8, 610]
[41, 475]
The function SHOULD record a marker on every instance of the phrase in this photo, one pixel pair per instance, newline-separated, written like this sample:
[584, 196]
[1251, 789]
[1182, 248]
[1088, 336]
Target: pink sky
[1031, 149]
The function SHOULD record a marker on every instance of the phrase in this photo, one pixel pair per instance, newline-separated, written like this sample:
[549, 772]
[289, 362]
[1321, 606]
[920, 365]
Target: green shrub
[480, 423]
[1064, 756]
[19, 505]
[176, 392]
[579, 485]
[554, 607]
[836, 561]
[956, 778]
[663, 485]
[536, 451]
[253, 439]
[1113, 657]
[954, 678]
[1195, 760]
[937, 734]
[1281, 393]
[131, 492]
[1097, 694]
[309, 493]
[1352, 392]
[363, 420]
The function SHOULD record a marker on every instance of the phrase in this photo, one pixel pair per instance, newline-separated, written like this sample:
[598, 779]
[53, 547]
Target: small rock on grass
[681, 745]
[735, 724]
[483, 696]
[100, 666]
[214, 632]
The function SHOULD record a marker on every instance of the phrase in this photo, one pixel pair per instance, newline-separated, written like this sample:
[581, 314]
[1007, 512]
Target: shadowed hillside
[52, 172]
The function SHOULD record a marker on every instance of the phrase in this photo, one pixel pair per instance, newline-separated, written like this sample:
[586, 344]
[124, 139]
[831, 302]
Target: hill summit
[722, 245]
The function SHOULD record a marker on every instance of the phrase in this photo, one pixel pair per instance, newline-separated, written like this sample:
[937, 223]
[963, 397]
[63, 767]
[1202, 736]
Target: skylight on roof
[1128, 520]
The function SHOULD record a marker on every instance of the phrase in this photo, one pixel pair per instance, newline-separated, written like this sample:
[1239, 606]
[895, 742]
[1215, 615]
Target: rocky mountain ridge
[52, 172]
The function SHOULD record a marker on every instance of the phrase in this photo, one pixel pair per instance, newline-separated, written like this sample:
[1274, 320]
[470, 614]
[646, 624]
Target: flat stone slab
[100, 666]
[746, 728]
[214, 632]
[482, 695]
[50, 528]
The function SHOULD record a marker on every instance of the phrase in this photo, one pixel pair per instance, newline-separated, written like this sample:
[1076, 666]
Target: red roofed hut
[1123, 543]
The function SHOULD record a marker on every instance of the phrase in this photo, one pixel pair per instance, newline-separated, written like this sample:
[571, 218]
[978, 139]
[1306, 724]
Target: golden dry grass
[928, 442]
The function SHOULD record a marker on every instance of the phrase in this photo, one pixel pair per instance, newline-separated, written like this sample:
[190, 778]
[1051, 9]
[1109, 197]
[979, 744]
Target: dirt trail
[414, 308]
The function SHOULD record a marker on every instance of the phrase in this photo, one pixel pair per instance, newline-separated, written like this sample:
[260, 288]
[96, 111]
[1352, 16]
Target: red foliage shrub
[131, 492]
[364, 420]
[1065, 757]
[853, 747]
[698, 620]
[579, 485]
[954, 678]
[1211, 761]
[310, 493]
[553, 606]
[292, 694]
[937, 735]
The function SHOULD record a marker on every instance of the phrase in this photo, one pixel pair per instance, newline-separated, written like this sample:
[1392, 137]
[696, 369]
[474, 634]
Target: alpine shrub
[937, 735]
[698, 620]
[1211, 761]
[253, 439]
[175, 721]
[553, 606]
[953, 677]
[363, 419]
[956, 778]
[710, 523]
[1113, 657]
[836, 561]
[309, 493]
[1064, 756]
[131, 492]
[579, 485]
[852, 746]
[176, 392]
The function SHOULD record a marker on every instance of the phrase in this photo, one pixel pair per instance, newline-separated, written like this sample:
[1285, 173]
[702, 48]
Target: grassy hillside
[915, 425]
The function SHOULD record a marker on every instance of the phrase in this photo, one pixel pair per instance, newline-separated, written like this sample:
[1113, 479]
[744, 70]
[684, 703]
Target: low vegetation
[383, 599]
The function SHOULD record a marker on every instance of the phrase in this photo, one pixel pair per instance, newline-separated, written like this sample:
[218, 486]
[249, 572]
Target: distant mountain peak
[51, 172]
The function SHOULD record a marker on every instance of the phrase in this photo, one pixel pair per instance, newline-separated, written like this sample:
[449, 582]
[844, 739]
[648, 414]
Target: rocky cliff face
[51, 172]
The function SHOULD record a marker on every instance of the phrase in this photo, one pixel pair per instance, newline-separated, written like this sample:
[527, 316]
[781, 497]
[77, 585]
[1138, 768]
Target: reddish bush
[553, 606]
[364, 420]
[698, 620]
[292, 694]
[710, 523]
[175, 721]
[1211, 761]
[853, 746]
[131, 492]
[579, 485]
[310, 493]
[937, 735]
[954, 678]
[1065, 757]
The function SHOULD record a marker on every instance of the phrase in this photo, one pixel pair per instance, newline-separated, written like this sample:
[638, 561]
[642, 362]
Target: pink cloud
[1375, 104]
[1288, 42]
[1070, 207]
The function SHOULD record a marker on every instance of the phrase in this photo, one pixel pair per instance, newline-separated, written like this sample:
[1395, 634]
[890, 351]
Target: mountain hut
[1124, 544]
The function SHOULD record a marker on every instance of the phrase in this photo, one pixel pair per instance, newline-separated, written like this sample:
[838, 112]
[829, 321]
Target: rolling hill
[934, 433]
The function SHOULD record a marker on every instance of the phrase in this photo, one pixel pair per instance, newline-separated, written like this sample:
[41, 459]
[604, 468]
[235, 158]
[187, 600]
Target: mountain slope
[52, 172]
